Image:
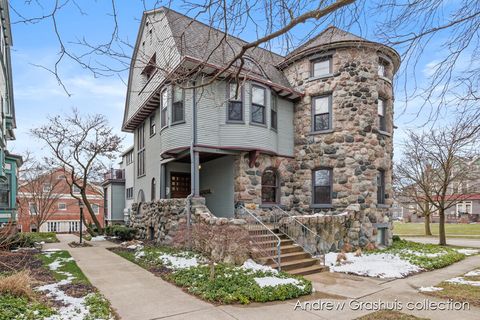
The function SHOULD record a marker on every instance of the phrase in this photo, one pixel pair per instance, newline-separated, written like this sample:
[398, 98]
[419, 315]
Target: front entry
[179, 184]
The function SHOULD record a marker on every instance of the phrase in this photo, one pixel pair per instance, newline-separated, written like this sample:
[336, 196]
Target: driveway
[137, 294]
[461, 242]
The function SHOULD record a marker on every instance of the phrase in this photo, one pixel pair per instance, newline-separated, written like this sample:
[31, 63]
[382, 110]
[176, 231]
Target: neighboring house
[9, 163]
[48, 206]
[128, 165]
[114, 196]
[310, 131]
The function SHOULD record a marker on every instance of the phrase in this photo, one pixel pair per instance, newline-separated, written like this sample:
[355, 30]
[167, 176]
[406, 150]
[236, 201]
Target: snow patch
[468, 252]
[473, 273]
[252, 265]
[177, 262]
[461, 280]
[58, 263]
[275, 281]
[52, 250]
[429, 289]
[98, 238]
[381, 265]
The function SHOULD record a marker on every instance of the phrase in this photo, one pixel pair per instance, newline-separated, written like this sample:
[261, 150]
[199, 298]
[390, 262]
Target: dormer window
[150, 68]
[235, 102]
[321, 67]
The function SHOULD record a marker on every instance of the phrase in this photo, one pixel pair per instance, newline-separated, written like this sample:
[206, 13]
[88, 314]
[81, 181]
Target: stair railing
[299, 233]
[264, 240]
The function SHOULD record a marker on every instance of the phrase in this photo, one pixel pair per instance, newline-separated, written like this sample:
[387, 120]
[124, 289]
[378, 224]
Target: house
[9, 163]
[310, 132]
[47, 205]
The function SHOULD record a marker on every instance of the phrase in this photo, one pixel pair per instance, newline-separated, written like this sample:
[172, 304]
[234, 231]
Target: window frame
[34, 205]
[330, 112]
[163, 109]
[62, 209]
[273, 111]
[252, 104]
[463, 206]
[382, 119]
[153, 189]
[174, 121]
[5, 190]
[385, 65]
[129, 193]
[152, 125]
[330, 185]
[381, 192]
[240, 99]
[276, 187]
[328, 58]
[141, 150]
[97, 210]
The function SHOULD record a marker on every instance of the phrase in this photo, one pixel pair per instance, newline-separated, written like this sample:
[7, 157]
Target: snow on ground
[177, 262]
[473, 273]
[429, 289]
[252, 265]
[461, 280]
[424, 254]
[468, 252]
[72, 308]
[98, 238]
[381, 265]
[275, 281]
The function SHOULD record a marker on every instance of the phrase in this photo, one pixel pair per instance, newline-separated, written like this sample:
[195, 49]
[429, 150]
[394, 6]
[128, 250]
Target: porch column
[195, 174]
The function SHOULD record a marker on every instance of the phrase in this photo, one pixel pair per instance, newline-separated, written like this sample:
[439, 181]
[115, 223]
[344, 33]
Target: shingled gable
[201, 44]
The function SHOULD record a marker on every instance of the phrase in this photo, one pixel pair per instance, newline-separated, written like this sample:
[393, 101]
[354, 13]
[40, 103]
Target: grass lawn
[47, 237]
[68, 265]
[459, 292]
[452, 229]
[231, 284]
[389, 315]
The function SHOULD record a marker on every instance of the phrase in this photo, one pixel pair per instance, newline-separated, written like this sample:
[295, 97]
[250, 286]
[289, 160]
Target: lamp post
[80, 205]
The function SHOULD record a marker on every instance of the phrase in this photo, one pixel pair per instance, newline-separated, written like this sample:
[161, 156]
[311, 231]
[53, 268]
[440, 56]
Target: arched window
[270, 183]
[141, 196]
[153, 190]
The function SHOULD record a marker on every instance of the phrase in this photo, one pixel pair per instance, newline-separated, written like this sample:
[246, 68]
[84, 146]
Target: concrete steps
[293, 259]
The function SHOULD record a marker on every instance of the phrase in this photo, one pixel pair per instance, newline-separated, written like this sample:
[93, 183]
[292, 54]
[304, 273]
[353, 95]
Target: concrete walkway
[137, 294]
[460, 242]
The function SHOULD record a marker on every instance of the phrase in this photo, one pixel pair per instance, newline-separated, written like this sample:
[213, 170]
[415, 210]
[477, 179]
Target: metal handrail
[265, 240]
[303, 235]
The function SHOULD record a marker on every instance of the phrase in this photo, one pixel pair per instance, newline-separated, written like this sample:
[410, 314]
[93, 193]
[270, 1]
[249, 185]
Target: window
[381, 187]
[52, 226]
[235, 103]
[96, 208]
[382, 67]
[62, 206]
[270, 186]
[153, 130]
[73, 226]
[322, 186]
[129, 157]
[322, 113]
[75, 189]
[177, 105]
[258, 104]
[5, 193]
[164, 106]
[464, 207]
[321, 67]
[47, 187]
[61, 177]
[32, 208]
[141, 150]
[273, 111]
[382, 124]
[153, 190]
[129, 193]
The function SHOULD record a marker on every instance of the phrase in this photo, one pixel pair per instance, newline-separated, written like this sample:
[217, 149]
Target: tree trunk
[441, 228]
[428, 232]
[90, 211]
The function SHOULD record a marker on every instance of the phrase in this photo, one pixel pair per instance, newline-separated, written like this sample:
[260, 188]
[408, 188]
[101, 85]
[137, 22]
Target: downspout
[192, 158]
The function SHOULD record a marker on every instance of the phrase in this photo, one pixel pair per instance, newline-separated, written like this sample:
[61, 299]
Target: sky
[38, 94]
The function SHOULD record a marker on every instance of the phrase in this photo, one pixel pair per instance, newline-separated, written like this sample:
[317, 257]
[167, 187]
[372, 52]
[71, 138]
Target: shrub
[109, 230]
[396, 238]
[123, 233]
[17, 284]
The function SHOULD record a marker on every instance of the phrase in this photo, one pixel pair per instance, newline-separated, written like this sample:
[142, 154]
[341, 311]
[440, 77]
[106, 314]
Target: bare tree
[415, 28]
[81, 145]
[39, 192]
[436, 160]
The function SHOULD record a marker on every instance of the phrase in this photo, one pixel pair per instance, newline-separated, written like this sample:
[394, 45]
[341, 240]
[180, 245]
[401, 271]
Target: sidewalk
[460, 242]
[137, 294]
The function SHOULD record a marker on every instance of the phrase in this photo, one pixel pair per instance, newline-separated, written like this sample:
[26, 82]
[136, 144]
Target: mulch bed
[78, 290]
[17, 261]
[75, 244]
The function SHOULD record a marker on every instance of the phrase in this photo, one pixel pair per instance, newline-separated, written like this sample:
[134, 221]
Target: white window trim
[64, 209]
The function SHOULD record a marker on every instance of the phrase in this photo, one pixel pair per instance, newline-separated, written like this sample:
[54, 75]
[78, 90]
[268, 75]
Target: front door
[179, 184]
